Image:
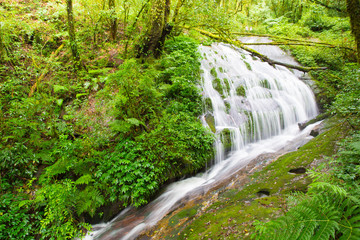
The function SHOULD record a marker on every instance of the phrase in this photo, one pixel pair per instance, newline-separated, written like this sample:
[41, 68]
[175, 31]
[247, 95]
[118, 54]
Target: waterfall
[252, 108]
[250, 100]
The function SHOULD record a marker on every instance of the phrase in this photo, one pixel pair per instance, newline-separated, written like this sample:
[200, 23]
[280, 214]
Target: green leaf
[59, 102]
[59, 88]
[86, 179]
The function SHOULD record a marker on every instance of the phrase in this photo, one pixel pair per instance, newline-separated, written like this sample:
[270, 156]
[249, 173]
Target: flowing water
[252, 108]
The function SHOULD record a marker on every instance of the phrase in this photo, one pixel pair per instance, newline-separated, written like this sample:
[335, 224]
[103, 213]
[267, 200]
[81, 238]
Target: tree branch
[257, 54]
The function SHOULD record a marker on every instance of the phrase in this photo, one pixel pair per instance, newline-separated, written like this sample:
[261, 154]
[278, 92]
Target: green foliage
[17, 162]
[17, 222]
[329, 208]
[184, 143]
[127, 175]
[347, 104]
[326, 211]
[59, 220]
[346, 164]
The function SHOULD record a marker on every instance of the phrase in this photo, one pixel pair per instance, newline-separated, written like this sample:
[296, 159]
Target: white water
[263, 121]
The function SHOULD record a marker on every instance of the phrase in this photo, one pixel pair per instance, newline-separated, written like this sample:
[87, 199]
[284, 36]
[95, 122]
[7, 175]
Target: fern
[328, 212]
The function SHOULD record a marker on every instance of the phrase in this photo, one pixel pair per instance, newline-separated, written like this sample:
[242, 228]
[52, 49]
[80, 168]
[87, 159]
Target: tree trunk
[177, 10]
[71, 29]
[353, 8]
[113, 20]
[153, 41]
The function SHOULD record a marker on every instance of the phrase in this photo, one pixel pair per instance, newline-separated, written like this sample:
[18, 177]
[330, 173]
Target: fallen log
[291, 40]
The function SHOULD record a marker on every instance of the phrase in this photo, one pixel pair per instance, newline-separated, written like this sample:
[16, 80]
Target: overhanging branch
[255, 53]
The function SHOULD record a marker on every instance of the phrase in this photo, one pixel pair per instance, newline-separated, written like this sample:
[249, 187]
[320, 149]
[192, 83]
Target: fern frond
[318, 187]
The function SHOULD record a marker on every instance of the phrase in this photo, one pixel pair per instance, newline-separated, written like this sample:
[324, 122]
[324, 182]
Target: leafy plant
[327, 210]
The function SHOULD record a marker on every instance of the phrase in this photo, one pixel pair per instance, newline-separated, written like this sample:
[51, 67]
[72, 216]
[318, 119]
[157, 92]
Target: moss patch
[208, 105]
[225, 137]
[248, 66]
[218, 86]
[240, 91]
[213, 72]
[227, 85]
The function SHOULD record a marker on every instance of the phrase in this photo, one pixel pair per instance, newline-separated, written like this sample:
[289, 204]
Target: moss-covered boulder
[210, 120]
[225, 137]
[227, 85]
[265, 84]
[228, 107]
[208, 105]
[218, 86]
[240, 91]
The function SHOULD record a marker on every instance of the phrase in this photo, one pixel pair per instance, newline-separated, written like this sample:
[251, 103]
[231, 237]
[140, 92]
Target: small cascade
[252, 107]
[250, 100]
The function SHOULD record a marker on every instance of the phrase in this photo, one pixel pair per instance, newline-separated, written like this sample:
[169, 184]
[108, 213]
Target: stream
[252, 107]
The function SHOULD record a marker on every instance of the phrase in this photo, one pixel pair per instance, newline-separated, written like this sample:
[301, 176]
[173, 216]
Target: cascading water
[252, 107]
[251, 100]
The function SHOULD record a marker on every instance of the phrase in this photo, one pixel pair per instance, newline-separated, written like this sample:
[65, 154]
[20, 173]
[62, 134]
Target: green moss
[227, 85]
[213, 72]
[210, 120]
[186, 213]
[218, 86]
[265, 84]
[208, 105]
[228, 107]
[240, 91]
[248, 66]
[225, 137]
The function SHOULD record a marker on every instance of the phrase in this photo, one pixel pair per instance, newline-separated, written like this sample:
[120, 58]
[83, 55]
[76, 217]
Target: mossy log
[257, 54]
[288, 41]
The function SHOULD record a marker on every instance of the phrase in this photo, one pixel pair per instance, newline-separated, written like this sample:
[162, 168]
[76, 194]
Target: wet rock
[240, 91]
[225, 137]
[319, 117]
[315, 132]
[300, 170]
[302, 126]
[208, 105]
[210, 120]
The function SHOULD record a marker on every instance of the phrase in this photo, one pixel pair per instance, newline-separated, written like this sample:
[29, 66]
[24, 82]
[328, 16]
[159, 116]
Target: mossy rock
[218, 86]
[225, 137]
[227, 85]
[240, 91]
[228, 107]
[186, 213]
[213, 72]
[210, 120]
[208, 105]
[265, 84]
[248, 66]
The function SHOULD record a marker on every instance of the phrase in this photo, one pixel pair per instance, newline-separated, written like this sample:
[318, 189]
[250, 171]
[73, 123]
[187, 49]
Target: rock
[300, 170]
[225, 137]
[315, 132]
[302, 125]
[240, 91]
[210, 120]
[208, 105]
